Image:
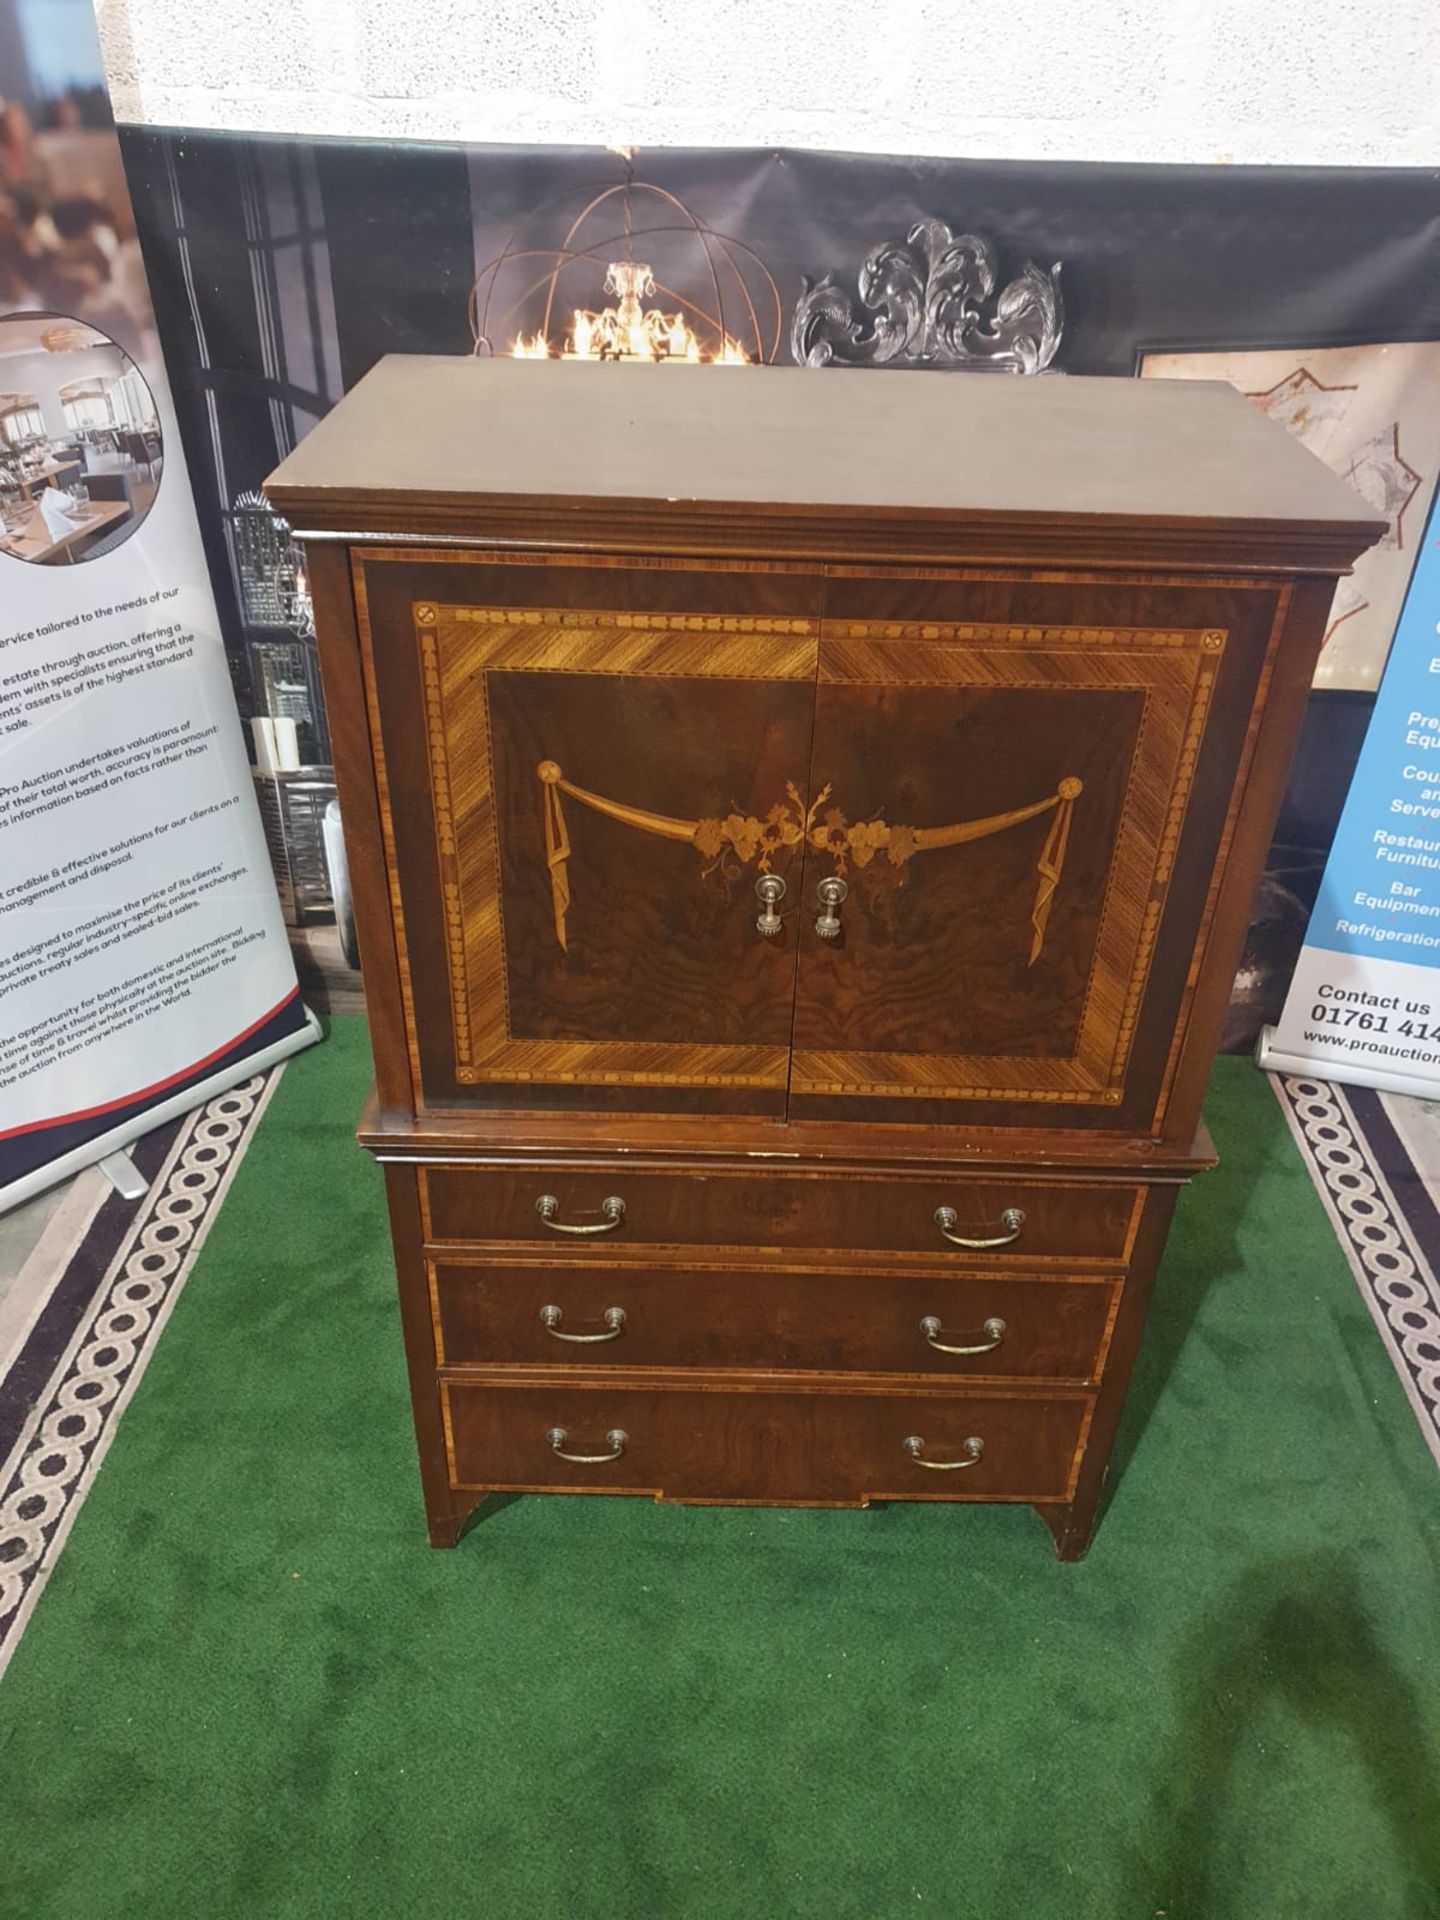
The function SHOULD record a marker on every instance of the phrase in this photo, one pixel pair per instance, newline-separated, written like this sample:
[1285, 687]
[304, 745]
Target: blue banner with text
[1364, 1004]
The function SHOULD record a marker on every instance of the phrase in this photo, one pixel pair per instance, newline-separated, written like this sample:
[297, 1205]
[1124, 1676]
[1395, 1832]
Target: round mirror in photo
[80, 451]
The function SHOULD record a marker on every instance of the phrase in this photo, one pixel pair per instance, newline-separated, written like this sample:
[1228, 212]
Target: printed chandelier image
[716, 300]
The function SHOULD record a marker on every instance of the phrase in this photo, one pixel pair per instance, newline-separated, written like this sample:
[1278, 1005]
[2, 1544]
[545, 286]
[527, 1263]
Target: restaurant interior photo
[80, 447]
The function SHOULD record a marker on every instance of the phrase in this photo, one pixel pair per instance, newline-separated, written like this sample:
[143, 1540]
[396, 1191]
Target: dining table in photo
[26, 536]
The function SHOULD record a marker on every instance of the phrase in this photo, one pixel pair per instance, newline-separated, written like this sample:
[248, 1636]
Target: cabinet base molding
[1070, 1528]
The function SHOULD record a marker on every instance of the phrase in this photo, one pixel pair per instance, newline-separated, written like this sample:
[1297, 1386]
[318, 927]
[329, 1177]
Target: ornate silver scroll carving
[928, 302]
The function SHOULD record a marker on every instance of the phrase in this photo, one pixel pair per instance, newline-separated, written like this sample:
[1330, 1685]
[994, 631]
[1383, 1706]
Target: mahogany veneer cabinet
[802, 829]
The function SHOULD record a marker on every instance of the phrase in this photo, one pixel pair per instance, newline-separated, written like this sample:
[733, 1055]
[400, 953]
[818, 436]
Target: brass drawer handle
[614, 1321]
[547, 1206]
[616, 1440]
[972, 1449]
[993, 1330]
[831, 894]
[769, 891]
[1012, 1219]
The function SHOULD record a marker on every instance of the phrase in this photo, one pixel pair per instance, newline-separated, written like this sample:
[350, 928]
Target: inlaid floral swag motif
[751, 839]
[790, 823]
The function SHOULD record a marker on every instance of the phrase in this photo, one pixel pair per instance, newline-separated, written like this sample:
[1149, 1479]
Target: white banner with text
[143, 959]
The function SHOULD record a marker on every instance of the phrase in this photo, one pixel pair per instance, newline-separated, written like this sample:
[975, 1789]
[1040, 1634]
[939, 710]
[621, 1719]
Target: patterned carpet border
[1385, 1219]
[63, 1394]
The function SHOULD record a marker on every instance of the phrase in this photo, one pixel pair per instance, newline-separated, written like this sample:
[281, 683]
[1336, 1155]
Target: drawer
[893, 1322]
[734, 1211]
[719, 1442]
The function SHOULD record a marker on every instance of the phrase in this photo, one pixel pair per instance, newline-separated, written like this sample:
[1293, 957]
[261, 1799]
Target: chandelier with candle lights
[709, 300]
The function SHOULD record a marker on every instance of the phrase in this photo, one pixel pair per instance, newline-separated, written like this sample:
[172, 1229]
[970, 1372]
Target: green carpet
[251, 1689]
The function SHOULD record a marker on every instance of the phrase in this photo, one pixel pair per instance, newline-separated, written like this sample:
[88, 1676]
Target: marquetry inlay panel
[1174, 672]
[461, 648]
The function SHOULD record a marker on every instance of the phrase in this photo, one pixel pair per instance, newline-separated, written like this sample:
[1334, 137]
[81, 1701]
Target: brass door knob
[769, 891]
[830, 893]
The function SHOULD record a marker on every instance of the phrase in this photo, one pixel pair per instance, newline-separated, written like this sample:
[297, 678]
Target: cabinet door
[1005, 800]
[584, 792]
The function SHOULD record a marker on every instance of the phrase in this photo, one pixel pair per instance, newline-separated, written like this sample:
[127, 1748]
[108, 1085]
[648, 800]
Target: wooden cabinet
[799, 875]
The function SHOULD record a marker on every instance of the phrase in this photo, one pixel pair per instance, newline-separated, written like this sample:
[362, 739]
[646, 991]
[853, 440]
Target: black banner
[283, 269]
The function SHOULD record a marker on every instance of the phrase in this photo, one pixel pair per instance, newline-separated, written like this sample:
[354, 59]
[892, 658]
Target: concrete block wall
[1320, 82]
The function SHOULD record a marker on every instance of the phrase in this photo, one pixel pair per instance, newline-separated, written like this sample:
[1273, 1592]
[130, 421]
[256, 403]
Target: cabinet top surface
[786, 438]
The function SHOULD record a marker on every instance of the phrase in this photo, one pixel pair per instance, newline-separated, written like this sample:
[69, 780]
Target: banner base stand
[112, 1144]
[123, 1174]
[1270, 1057]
